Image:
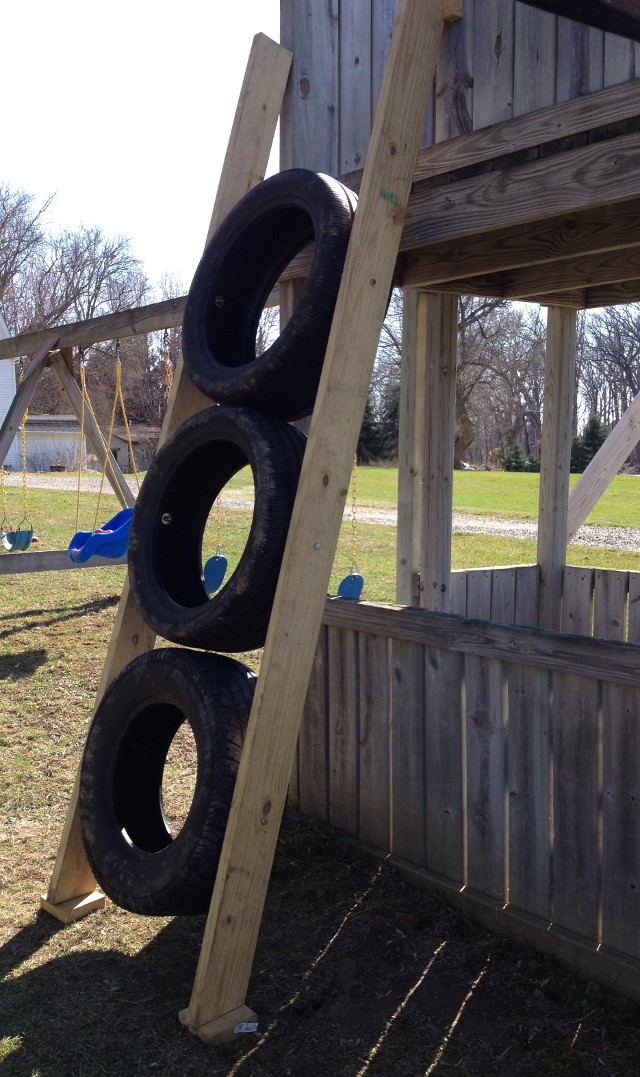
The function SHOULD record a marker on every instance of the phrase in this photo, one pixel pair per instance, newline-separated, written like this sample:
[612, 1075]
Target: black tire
[181, 485]
[134, 856]
[240, 266]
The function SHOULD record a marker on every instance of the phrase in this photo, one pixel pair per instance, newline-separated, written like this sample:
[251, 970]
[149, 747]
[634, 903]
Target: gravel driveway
[614, 538]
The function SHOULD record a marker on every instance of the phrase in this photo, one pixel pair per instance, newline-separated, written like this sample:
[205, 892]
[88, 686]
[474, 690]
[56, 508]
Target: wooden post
[410, 438]
[245, 165]
[603, 468]
[555, 459]
[439, 435]
[218, 997]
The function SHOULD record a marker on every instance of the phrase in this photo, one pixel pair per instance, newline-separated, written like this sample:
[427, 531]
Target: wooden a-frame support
[218, 997]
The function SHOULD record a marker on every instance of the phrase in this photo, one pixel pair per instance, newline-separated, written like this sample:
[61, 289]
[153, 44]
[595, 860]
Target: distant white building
[7, 393]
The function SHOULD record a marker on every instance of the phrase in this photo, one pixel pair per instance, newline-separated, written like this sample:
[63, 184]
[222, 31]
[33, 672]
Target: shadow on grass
[21, 663]
[31, 618]
[356, 975]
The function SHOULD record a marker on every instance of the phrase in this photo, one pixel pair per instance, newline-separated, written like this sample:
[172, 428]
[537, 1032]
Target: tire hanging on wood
[239, 268]
[165, 544]
[139, 863]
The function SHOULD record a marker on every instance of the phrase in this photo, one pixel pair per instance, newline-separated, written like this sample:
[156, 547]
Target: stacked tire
[138, 861]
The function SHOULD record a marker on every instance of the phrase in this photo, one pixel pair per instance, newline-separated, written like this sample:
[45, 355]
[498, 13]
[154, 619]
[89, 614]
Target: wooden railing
[603, 603]
[497, 762]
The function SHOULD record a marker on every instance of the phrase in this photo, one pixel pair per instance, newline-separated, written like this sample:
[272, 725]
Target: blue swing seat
[110, 540]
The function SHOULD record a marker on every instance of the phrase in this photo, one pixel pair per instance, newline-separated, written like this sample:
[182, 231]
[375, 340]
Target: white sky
[124, 109]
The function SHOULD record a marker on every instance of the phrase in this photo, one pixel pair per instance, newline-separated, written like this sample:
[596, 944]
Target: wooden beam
[534, 243]
[437, 470]
[253, 131]
[410, 446]
[555, 459]
[604, 467]
[251, 836]
[123, 323]
[52, 561]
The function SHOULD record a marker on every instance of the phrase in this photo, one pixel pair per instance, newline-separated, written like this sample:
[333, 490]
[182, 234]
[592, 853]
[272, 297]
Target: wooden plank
[444, 677]
[554, 460]
[513, 136]
[408, 814]
[565, 235]
[374, 793]
[580, 60]
[485, 754]
[534, 60]
[232, 928]
[459, 592]
[439, 436]
[410, 445]
[529, 801]
[577, 600]
[353, 63]
[313, 792]
[52, 561]
[93, 433]
[587, 177]
[621, 820]
[503, 595]
[256, 118]
[592, 659]
[454, 79]
[310, 110]
[122, 323]
[479, 593]
[633, 626]
[572, 273]
[344, 729]
[493, 69]
[576, 795]
[610, 604]
[619, 60]
[603, 468]
[527, 595]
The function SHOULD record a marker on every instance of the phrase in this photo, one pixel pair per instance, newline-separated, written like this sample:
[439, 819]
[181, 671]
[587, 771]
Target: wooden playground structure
[485, 731]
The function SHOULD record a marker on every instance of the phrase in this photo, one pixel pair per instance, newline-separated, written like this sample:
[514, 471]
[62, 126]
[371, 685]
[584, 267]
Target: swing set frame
[60, 360]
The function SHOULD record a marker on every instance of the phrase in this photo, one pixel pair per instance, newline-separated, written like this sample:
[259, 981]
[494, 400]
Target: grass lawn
[356, 973]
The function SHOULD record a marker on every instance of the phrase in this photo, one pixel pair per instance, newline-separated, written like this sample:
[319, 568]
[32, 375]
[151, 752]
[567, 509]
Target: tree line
[500, 383]
[49, 278]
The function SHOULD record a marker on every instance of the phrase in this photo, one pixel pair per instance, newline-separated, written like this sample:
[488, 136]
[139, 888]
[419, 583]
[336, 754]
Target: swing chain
[168, 369]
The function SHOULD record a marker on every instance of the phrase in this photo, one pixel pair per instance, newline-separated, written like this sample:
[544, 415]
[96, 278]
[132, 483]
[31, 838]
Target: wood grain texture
[486, 777]
[238, 898]
[439, 409]
[576, 864]
[529, 799]
[131, 636]
[445, 822]
[621, 820]
[554, 461]
[408, 758]
[374, 749]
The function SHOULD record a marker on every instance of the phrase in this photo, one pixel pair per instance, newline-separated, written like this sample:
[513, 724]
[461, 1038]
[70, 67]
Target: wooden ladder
[217, 1002]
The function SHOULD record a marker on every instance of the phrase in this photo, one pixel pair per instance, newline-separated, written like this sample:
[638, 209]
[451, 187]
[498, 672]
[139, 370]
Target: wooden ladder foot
[74, 908]
[222, 1029]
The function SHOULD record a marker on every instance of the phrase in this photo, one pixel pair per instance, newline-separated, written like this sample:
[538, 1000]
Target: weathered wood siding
[502, 59]
[603, 603]
[499, 762]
